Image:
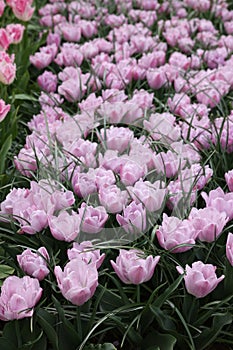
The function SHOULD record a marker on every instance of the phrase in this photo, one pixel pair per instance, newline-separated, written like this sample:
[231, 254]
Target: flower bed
[120, 226]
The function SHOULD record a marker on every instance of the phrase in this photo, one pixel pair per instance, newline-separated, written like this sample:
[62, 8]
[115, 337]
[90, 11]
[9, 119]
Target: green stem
[18, 334]
[79, 323]
[138, 293]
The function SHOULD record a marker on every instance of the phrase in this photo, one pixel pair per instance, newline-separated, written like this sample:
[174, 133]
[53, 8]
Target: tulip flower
[133, 268]
[200, 279]
[34, 264]
[78, 281]
[18, 297]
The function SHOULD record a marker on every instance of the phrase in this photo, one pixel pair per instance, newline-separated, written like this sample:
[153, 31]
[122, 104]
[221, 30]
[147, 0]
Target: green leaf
[5, 271]
[209, 335]
[68, 330]
[163, 319]
[3, 152]
[41, 344]
[5, 344]
[166, 294]
[105, 346]
[156, 340]
[48, 329]
[9, 333]
[110, 300]
[25, 97]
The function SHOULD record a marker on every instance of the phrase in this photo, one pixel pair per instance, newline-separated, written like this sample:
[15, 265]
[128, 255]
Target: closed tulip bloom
[5, 39]
[229, 248]
[78, 281]
[208, 222]
[200, 279]
[132, 267]
[64, 227]
[156, 78]
[22, 9]
[15, 32]
[34, 264]
[7, 68]
[2, 7]
[18, 297]
[174, 232]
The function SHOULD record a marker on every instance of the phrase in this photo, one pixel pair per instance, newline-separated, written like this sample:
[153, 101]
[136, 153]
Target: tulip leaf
[3, 152]
[209, 335]
[168, 291]
[5, 271]
[48, 329]
[5, 344]
[105, 346]
[24, 97]
[156, 340]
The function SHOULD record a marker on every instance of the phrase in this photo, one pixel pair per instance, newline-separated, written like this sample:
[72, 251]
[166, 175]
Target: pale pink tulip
[200, 279]
[34, 264]
[133, 267]
[18, 297]
[78, 281]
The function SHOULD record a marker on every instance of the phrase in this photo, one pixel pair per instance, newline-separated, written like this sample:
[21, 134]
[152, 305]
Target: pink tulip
[133, 219]
[104, 177]
[4, 109]
[2, 7]
[92, 218]
[86, 252]
[5, 39]
[18, 297]
[64, 227]
[162, 127]
[174, 232]
[208, 223]
[78, 281]
[229, 248]
[44, 57]
[219, 200]
[47, 81]
[150, 195]
[72, 89]
[229, 179]
[34, 264]
[22, 9]
[132, 267]
[84, 183]
[156, 78]
[113, 198]
[200, 279]
[70, 31]
[117, 138]
[15, 32]
[131, 171]
[7, 68]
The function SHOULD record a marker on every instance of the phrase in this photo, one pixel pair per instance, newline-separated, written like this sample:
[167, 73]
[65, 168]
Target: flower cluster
[119, 148]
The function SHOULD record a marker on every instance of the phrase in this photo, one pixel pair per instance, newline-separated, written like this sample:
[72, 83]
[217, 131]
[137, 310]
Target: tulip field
[116, 174]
